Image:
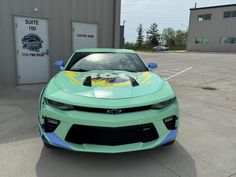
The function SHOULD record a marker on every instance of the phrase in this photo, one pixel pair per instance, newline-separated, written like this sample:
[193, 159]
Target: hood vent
[133, 82]
[88, 81]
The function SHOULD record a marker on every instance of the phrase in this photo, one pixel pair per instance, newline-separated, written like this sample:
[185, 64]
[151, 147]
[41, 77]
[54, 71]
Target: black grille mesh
[80, 134]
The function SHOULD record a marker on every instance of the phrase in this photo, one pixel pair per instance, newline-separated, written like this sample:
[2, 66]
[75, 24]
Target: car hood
[108, 84]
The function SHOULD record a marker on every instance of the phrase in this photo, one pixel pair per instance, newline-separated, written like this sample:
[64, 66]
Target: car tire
[170, 143]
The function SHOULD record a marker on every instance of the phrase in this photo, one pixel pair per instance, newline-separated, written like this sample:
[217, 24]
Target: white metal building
[213, 29]
[35, 33]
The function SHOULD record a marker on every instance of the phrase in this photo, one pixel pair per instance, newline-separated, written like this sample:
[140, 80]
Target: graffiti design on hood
[109, 79]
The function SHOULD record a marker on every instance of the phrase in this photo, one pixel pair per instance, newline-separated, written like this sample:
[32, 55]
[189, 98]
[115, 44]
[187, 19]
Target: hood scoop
[88, 81]
[134, 83]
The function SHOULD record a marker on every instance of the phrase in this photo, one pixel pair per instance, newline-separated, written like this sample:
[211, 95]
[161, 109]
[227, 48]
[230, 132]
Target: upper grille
[80, 134]
[112, 111]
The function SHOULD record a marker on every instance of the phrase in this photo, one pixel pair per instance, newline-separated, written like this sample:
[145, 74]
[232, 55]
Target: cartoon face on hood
[109, 79]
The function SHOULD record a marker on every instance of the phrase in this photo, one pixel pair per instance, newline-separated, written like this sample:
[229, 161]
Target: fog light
[50, 125]
[170, 122]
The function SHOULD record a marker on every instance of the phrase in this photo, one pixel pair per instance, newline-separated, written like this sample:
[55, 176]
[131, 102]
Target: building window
[201, 40]
[229, 14]
[234, 13]
[205, 40]
[204, 17]
[228, 40]
[198, 40]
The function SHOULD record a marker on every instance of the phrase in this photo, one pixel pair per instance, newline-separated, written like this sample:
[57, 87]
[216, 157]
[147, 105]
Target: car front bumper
[69, 118]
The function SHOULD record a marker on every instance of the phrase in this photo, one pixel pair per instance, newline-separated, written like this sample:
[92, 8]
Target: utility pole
[122, 35]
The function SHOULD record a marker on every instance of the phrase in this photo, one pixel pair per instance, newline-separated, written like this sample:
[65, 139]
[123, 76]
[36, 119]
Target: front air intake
[170, 123]
[50, 125]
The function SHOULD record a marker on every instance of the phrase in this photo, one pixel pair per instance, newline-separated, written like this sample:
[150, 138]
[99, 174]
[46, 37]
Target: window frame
[202, 41]
[232, 14]
[225, 14]
[204, 17]
[224, 44]
[198, 41]
[206, 41]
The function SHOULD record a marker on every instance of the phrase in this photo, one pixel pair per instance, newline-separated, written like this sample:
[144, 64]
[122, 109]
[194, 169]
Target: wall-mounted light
[36, 9]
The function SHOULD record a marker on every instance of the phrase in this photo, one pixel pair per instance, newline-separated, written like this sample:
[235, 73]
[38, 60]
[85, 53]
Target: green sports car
[107, 101]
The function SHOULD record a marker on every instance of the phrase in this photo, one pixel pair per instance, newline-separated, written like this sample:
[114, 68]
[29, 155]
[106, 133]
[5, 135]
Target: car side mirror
[60, 64]
[152, 66]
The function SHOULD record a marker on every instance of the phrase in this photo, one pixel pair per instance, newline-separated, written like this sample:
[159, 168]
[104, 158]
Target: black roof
[212, 7]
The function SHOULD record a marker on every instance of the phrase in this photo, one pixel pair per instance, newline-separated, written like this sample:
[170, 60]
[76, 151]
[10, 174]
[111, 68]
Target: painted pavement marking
[171, 73]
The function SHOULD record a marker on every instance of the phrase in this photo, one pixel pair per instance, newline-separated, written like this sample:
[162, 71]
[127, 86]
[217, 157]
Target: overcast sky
[166, 13]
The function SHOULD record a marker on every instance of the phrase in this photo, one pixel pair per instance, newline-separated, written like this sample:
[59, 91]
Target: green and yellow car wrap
[108, 111]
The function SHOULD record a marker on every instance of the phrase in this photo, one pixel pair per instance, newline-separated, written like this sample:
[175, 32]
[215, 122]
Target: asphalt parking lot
[205, 147]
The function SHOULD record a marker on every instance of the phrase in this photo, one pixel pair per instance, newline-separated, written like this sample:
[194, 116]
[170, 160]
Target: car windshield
[84, 61]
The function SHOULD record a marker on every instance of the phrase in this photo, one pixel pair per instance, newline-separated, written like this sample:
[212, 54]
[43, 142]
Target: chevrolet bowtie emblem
[114, 111]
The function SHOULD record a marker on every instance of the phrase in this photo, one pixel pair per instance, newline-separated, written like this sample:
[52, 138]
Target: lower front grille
[80, 134]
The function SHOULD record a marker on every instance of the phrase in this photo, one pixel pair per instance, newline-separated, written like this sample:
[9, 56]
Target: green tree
[168, 36]
[140, 38]
[181, 38]
[129, 45]
[153, 35]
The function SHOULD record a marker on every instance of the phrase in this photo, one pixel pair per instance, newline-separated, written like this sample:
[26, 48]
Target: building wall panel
[60, 14]
[213, 29]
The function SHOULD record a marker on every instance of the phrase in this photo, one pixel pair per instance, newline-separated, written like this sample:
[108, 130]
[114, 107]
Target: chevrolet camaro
[107, 101]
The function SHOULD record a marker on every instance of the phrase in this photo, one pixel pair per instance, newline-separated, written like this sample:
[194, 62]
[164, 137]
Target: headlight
[59, 105]
[163, 104]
